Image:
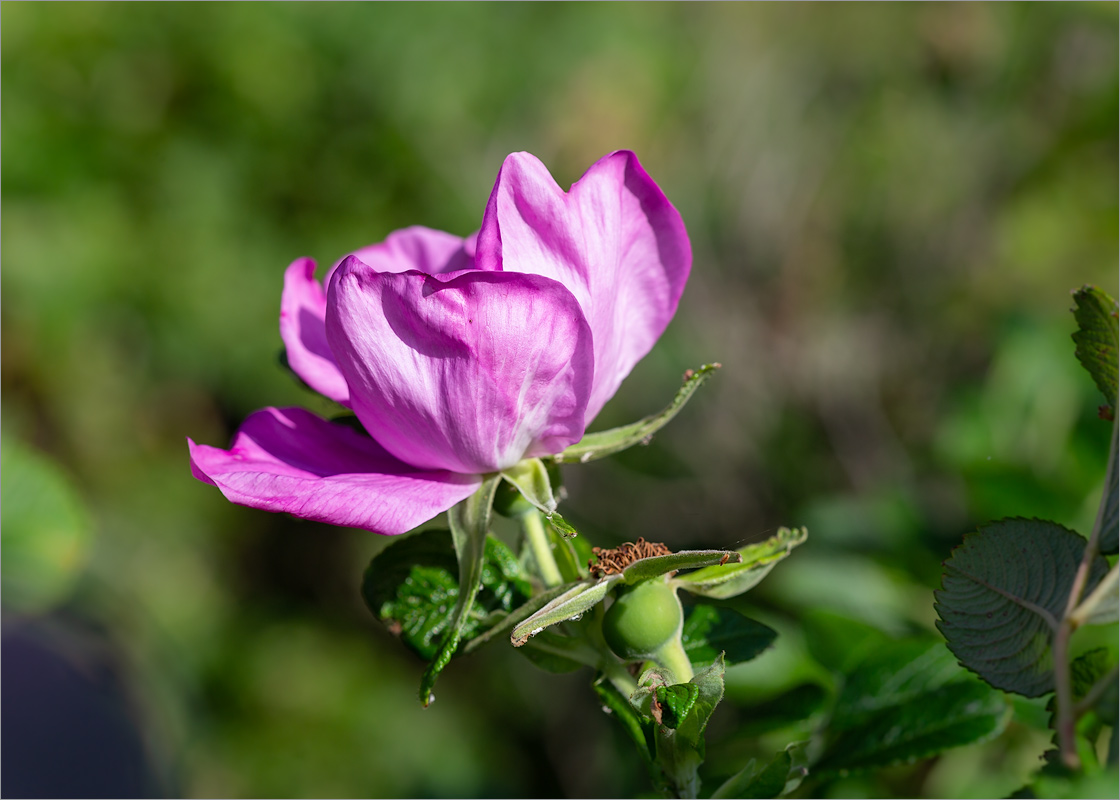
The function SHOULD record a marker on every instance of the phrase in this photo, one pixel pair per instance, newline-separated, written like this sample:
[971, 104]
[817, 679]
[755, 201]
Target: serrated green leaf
[753, 781]
[675, 702]
[729, 580]
[680, 752]
[572, 603]
[708, 631]
[412, 587]
[46, 530]
[1003, 591]
[1097, 339]
[907, 700]
[470, 524]
[594, 446]
[532, 480]
[646, 568]
[1109, 524]
[798, 704]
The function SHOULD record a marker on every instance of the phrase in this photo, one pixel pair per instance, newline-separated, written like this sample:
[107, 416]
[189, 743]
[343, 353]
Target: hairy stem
[540, 547]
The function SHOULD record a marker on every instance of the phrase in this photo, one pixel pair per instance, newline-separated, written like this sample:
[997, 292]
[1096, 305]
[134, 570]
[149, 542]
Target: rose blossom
[461, 357]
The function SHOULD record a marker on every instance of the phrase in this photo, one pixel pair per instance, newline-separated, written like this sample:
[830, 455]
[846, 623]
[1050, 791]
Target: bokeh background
[888, 206]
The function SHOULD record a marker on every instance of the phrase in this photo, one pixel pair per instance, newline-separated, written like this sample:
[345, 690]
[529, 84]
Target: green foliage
[709, 631]
[645, 568]
[906, 701]
[728, 580]
[756, 781]
[46, 530]
[1003, 593]
[675, 702]
[1109, 524]
[571, 604]
[594, 446]
[412, 586]
[1097, 340]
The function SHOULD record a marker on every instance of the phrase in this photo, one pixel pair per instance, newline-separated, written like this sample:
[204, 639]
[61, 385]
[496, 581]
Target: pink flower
[461, 357]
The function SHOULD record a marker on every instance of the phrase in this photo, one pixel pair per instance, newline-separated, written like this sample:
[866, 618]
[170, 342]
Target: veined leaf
[1096, 339]
[412, 587]
[729, 580]
[594, 446]
[572, 603]
[1003, 592]
[708, 631]
[645, 568]
[908, 700]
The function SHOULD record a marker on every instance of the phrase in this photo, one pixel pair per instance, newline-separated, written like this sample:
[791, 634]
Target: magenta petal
[469, 372]
[417, 247]
[303, 306]
[293, 461]
[614, 241]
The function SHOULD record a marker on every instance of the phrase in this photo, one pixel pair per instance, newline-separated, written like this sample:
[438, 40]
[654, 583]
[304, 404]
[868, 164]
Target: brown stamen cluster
[613, 560]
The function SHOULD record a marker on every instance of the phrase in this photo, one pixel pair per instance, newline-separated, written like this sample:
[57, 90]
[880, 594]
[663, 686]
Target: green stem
[1063, 695]
[673, 658]
[541, 548]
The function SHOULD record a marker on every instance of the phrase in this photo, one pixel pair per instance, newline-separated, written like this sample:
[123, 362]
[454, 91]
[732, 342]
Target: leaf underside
[732, 579]
[1003, 590]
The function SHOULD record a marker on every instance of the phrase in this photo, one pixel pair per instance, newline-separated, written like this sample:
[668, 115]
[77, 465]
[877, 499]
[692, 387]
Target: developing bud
[642, 619]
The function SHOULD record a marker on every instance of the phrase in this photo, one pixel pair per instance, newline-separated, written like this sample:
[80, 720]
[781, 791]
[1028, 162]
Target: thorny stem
[537, 538]
[1063, 692]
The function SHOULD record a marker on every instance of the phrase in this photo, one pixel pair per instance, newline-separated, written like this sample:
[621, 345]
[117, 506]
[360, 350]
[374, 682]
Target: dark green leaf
[556, 653]
[770, 781]
[412, 587]
[1096, 339]
[838, 642]
[645, 568]
[1003, 591]
[680, 752]
[1109, 523]
[594, 446]
[708, 631]
[731, 579]
[674, 702]
[908, 700]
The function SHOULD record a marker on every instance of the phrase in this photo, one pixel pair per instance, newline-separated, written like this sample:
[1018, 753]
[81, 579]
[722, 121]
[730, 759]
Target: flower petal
[471, 371]
[293, 461]
[417, 247]
[303, 306]
[614, 241]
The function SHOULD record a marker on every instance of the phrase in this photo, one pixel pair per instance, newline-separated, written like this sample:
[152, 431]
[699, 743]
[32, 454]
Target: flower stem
[672, 657]
[541, 548]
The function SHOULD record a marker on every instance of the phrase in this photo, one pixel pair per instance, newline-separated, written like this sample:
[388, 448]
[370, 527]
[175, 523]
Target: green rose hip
[642, 619]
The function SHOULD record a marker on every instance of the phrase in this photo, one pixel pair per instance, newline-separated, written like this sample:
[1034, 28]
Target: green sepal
[531, 479]
[570, 604]
[412, 587]
[674, 702]
[470, 522]
[709, 631]
[756, 561]
[1097, 339]
[594, 446]
[646, 568]
[1002, 594]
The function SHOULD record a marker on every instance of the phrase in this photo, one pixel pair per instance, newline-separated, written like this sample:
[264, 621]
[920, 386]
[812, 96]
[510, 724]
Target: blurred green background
[888, 206]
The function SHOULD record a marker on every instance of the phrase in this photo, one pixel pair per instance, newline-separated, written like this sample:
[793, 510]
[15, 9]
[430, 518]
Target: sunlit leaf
[571, 604]
[908, 700]
[1003, 591]
[1096, 339]
[645, 568]
[708, 631]
[731, 579]
[594, 446]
